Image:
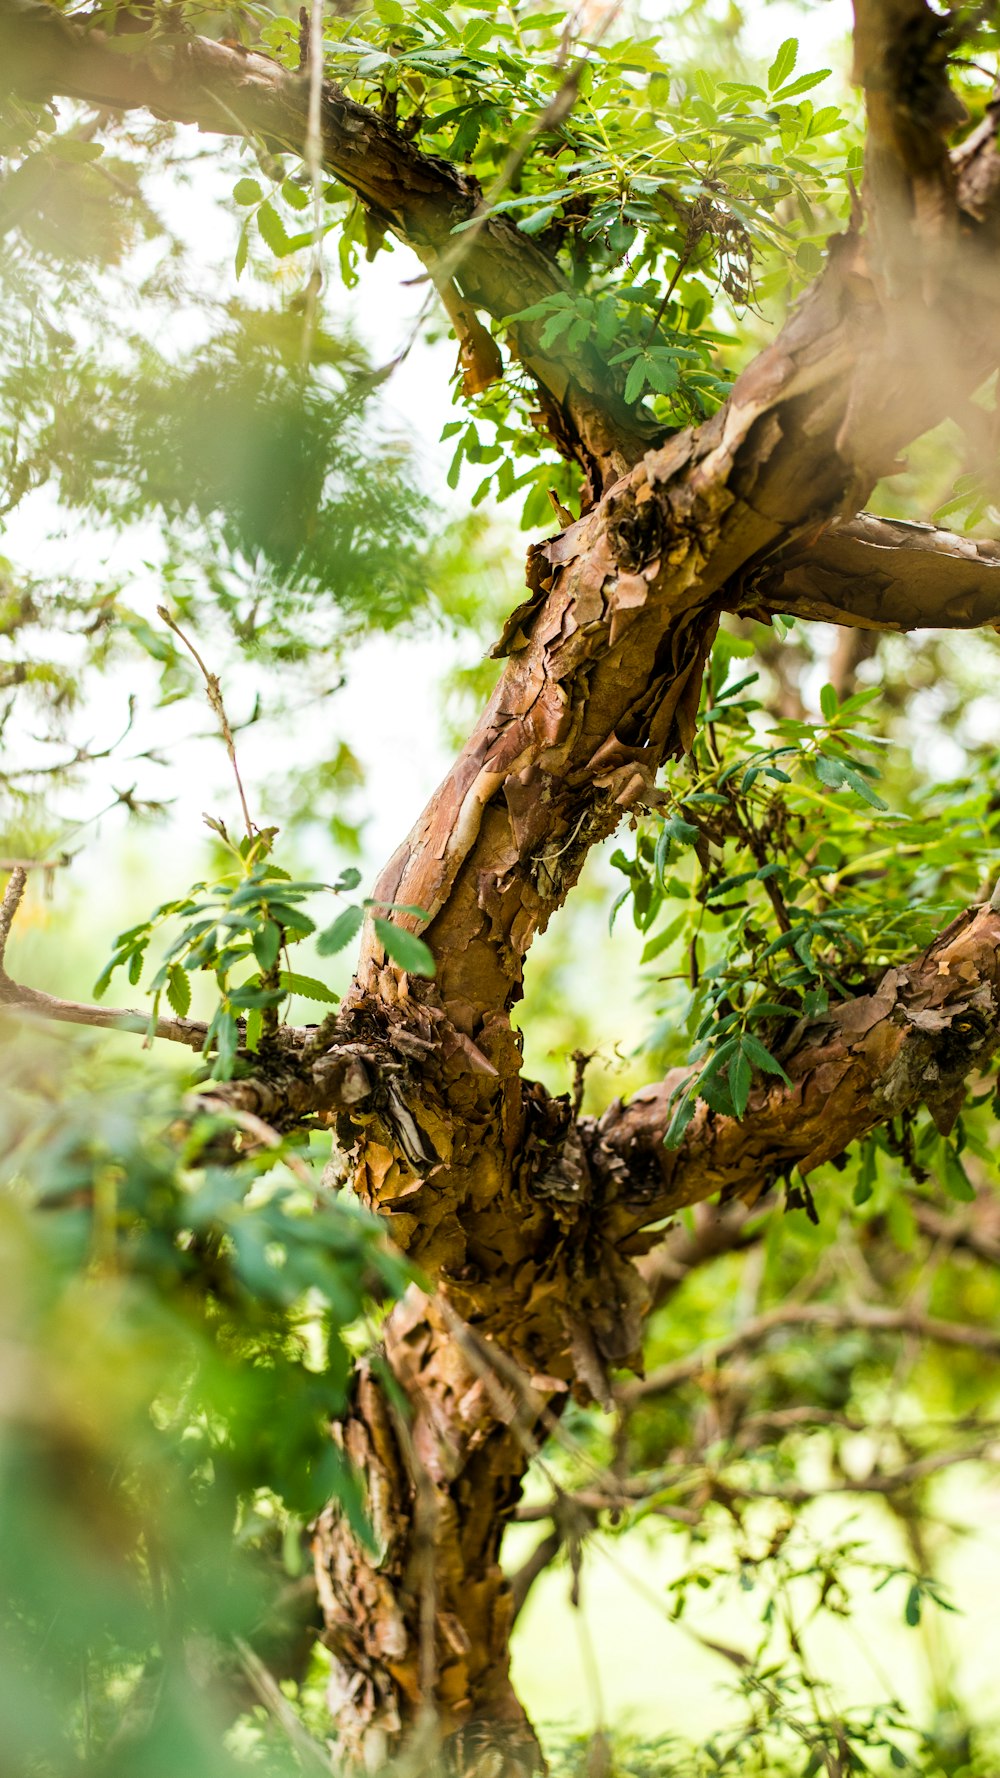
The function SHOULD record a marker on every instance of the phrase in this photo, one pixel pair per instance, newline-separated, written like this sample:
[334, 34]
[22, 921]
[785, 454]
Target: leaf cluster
[252, 915]
[777, 878]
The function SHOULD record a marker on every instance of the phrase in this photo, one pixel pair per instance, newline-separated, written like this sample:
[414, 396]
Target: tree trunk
[419, 1629]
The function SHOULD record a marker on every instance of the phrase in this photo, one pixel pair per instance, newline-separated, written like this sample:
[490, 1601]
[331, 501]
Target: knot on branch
[635, 528]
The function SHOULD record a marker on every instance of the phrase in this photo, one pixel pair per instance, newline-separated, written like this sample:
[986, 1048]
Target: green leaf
[954, 1178]
[740, 1075]
[345, 927]
[102, 983]
[225, 1031]
[273, 231]
[635, 382]
[247, 191]
[783, 64]
[242, 249]
[679, 1122]
[267, 943]
[912, 1609]
[253, 995]
[761, 1057]
[662, 940]
[860, 785]
[291, 918]
[804, 84]
[179, 990]
[406, 949]
[867, 1173]
[534, 224]
[681, 830]
[308, 987]
[829, 702]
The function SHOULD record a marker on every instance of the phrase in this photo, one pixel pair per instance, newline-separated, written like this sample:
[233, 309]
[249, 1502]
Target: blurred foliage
[177, 1325]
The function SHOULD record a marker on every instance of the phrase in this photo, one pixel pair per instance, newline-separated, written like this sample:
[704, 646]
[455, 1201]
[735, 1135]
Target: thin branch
[710, 1485]
[213, 691]
[867, 1060]
[876, 1482]
[542, 1557]
[554, 113]
[12, 895]
[870, 1317]
[633, 1490]
[313, 155]
[78, 1012]
[46, 864]
[313, 1755]
[103, 1018]
[257, 1127]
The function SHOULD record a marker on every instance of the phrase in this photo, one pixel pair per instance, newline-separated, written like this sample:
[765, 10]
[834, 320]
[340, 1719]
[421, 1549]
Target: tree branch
[706, 1484]
[420, 198]
[870, 1317]
[102, 1018]
[914, 1041]
[77, 1012]
[880, 574]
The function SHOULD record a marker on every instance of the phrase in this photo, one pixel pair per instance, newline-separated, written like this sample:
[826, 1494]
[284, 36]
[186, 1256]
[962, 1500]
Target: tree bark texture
[526, 1220]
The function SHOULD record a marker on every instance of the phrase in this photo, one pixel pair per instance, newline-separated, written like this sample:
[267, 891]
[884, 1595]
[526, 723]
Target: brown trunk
[419, 1629]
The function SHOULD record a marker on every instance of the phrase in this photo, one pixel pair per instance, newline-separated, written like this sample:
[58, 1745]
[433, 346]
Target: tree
[581, 213]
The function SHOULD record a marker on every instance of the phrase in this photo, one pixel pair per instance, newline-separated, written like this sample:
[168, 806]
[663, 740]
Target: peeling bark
[881, 574]
[527, 1221]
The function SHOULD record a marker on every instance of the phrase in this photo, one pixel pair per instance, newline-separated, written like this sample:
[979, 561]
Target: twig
[77, 1012]
[273, 1698]
[314, 167]
[103, 1018]
[875, 1483]
[542, 1557]
[861, 1315]
[555, 112]
[445, 269]
[263, 1132]
[214, 692]
[27, 864]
